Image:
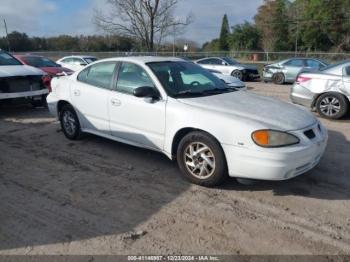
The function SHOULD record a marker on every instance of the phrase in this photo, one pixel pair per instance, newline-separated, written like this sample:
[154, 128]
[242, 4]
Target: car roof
[145, 59]
[79, 56]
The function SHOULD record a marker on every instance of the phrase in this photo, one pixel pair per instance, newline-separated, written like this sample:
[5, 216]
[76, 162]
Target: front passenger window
[132, 76]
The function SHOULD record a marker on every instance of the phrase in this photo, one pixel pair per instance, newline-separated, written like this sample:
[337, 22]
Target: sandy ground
[96, 196]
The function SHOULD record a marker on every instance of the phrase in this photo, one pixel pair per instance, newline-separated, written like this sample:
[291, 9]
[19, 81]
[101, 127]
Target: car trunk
[18, 84]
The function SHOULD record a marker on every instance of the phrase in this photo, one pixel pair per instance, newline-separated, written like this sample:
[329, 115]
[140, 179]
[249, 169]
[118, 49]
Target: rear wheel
[202, 160]
[278, 79]
[70, 123]
[332, 105]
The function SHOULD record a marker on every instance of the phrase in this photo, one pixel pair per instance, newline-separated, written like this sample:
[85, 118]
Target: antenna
[7, 36]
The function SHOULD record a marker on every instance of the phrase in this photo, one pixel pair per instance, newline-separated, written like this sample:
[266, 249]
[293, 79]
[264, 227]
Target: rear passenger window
[99, 75]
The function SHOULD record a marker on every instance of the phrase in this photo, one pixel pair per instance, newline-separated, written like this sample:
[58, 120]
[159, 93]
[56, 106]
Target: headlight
[272, 138]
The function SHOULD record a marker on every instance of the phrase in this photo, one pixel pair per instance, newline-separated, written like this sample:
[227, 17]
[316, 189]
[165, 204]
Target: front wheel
[202, 160]
[238, 74]
[332, 105]
[70, 123]
[278, 79]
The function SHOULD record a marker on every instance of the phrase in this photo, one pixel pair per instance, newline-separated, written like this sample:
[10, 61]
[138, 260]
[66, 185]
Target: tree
[245, 37]
[224, 34]
[148, 21]
[19, 41]
[273, 21]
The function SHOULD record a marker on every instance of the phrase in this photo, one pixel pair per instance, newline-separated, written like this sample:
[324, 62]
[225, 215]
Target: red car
[48, 66]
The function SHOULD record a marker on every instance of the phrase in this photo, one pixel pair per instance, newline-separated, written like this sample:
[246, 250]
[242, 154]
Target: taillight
[47, 82]
[303, 79]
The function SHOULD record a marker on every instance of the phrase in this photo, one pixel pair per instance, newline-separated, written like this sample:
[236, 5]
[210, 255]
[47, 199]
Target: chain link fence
[242, 56]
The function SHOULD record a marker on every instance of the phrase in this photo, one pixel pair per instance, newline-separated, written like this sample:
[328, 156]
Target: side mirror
[146, 92]
[224, 63]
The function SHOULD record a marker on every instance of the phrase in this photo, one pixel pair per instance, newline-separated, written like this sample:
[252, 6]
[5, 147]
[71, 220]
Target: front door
[136, 120]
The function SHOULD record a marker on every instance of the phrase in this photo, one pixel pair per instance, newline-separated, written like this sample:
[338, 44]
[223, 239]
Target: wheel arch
[317, 96]
[60, 105]
[180, 134]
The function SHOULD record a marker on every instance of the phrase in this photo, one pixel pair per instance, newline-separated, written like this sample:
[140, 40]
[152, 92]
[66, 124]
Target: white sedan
[184, 111]
[76, 63]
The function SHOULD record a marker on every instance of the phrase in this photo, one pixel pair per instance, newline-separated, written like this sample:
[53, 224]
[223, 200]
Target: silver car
[327, 91]
[229, 66]
[287, 71]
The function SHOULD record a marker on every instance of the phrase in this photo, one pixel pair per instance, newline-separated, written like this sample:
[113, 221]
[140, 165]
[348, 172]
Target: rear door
[90, 95]
[136, 120]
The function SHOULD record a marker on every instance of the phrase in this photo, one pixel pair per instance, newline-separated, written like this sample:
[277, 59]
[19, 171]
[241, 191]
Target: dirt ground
[96, 196]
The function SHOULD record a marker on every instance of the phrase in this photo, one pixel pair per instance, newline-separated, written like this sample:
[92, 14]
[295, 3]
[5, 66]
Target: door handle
[116, 102]
[76, 92]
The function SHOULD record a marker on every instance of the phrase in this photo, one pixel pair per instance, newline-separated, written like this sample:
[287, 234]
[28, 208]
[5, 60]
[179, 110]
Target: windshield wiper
[188, 93]
[219, 90]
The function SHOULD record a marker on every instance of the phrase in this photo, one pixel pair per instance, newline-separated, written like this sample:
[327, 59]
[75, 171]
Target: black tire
[278, 79]
[238, 74]
[70, 123]
[332, 105]
[215, 156]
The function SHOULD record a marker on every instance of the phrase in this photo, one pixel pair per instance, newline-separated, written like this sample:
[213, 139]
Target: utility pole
[174, 40]
[7, 36]
[297, 32]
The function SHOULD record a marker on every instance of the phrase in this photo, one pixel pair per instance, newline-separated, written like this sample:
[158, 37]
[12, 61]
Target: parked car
[229, 66]
[51, 68]
[182, 110]
[76, 63]
[327, 91]
[21, 81]
[287, 71]
[230, 80]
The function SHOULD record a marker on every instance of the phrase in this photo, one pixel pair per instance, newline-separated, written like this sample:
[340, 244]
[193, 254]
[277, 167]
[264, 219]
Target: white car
[21, 81]
[76, 63]
[231, 67]
[327, 91]
[182, 110]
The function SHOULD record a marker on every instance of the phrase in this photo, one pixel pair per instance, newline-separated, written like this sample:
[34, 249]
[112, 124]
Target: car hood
[19, 70]
[232, 81]
[272, 113]
[56, 70]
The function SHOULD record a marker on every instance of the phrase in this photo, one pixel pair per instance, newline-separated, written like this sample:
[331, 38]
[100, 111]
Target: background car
[287, 71]
[185, 112]
[231, 81]
[48, 66]
[327, 91]
[76, 63]
[21, 81]
[229, 66]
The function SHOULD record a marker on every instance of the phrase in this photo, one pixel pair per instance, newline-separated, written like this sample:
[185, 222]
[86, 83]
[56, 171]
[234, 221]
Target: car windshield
[8, 60]
[230, 61]
[184, 79]
[38, 61]
[90, 60]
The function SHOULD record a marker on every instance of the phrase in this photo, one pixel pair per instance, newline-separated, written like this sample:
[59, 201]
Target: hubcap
[237, 74]
[330, 106]
[69, 123]
[199, 160]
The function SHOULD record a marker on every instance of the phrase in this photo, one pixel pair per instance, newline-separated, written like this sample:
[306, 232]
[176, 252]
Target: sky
[75, 17]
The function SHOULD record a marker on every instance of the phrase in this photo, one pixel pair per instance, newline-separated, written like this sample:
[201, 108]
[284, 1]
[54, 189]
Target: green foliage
[244, 37]
[224, 34]
[20, 42]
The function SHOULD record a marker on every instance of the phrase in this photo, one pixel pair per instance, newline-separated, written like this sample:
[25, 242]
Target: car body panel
[333, 80]
[291, 70]
[230, 118]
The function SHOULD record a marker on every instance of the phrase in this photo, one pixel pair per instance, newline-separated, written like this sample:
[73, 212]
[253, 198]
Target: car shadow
[330, 180]
[53, 190]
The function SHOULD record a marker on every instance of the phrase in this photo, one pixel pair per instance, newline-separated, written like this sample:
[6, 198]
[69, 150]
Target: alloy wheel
[69, 123]
[330, 106]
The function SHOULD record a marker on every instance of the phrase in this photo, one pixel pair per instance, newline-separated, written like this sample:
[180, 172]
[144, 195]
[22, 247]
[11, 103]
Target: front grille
[252, 71]
[20, 84]
[310, 134]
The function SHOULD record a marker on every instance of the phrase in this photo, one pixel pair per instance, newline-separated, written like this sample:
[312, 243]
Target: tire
[211, 161]
[238, 74]
[332, 105]
[278, 79]
[70, 123]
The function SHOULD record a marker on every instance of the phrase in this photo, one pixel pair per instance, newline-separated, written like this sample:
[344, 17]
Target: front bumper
[276, 163]
[24, 94]
[302, 96]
